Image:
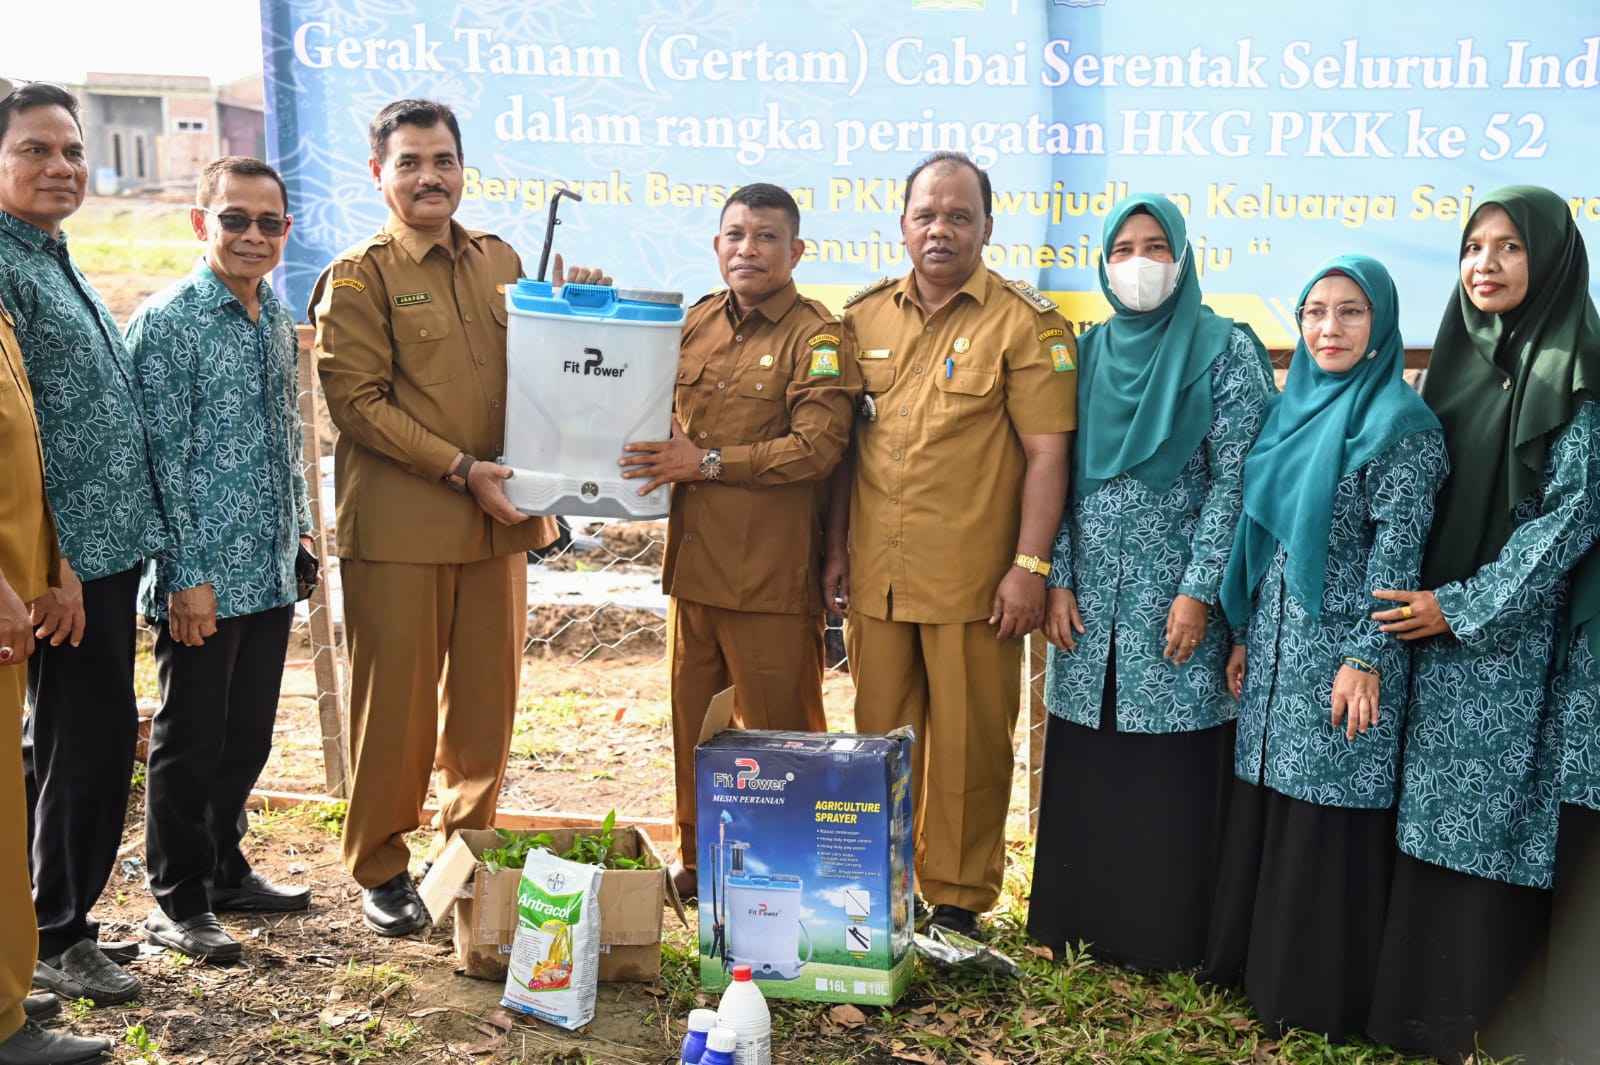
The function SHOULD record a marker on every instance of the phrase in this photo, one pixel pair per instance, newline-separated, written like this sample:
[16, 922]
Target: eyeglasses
[1349, 314]
[234, 222]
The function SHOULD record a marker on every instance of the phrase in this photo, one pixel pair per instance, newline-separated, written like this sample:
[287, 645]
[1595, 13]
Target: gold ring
[1193, 642]
[1405, 611]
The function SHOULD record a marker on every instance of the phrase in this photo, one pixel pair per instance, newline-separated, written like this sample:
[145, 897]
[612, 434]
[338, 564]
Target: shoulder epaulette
[1032, 296]
[868, 290]
[820, 309]
[483, 234]
[358, 250]
[702, 299]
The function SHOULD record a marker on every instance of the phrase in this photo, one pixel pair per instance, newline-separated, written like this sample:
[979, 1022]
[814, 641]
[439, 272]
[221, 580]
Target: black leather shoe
[199, 936]
[81, 971]
[955, 919]
[685, 881]
[256, 894]
[394, 908]
[41, 1007]
[32, 1045]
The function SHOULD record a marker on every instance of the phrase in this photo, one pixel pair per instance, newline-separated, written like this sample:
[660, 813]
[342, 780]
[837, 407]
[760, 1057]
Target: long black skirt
[1572, 995]
[1130, 828]
[1300, 907]
[1462, 965]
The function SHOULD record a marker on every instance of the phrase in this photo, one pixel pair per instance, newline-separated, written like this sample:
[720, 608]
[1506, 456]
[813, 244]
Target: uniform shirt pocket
[756, 413]
[421, 354]
[876, 375]
[959, 397]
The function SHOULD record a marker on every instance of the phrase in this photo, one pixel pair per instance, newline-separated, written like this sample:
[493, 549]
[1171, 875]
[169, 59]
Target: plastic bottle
[744, 1009]
[694, 1044]
[720, 1043]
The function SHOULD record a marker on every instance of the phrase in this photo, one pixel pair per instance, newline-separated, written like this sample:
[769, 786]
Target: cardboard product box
[485, 905]
[805, 860]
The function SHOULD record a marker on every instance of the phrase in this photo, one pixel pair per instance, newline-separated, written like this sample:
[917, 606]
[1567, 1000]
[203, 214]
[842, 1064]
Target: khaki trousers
[435, 654]
[19, 932]
[959, 689]
[773, 661]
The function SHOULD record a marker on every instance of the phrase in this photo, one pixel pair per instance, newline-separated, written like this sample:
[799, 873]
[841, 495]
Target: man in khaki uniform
[767, 386]
[411, 349]
[959, 480]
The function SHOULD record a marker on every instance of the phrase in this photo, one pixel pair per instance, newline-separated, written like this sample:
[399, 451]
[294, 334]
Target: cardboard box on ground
[485, 903]
[805, 857]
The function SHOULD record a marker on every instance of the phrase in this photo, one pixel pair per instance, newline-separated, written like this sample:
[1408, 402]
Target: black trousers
[77, 751]
[208, 744]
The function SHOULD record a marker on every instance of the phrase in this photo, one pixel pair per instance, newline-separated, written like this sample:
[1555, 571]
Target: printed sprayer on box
[804, 860]
[588, 369]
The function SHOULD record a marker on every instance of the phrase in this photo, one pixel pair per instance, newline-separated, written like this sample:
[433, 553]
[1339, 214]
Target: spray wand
[550, 226]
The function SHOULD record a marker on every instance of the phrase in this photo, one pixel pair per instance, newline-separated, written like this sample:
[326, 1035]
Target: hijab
[1323, 426]
[1144, 382]
[1503, 386]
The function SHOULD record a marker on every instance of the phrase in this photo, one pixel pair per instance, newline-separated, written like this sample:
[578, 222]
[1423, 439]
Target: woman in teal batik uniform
[1513, 378]
[1140, 738]
[1338, 497]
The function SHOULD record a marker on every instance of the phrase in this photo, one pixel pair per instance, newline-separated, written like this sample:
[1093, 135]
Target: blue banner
[1286, 133]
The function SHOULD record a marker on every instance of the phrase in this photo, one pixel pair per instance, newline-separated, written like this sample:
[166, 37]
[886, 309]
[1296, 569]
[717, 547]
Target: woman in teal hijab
[1505, 665]
[1137, 751]
[1338, 498]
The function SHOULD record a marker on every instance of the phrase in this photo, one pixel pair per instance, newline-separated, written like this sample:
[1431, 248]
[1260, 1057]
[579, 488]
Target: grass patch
[110, 237]
[367, 981]
[1071, 1010]
[354, 1042]
[543, 720]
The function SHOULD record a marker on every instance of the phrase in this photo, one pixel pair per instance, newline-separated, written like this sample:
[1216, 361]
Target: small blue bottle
[694, 1044]
[719, 1047]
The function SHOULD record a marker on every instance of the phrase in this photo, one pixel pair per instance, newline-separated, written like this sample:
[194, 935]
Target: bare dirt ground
[591, 736]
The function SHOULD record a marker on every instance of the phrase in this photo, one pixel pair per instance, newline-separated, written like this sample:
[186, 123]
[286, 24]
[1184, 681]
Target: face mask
[1142, 284]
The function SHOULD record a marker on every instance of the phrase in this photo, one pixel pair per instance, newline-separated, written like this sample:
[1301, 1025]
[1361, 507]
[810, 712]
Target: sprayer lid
[741, 972]
[650, 295]
[722, 1039]
[702, 1020]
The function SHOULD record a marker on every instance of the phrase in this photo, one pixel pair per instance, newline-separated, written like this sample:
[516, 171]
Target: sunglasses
[233, 222]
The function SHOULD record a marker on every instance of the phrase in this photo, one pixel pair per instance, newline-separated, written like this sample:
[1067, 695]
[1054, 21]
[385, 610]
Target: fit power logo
[749, 778]
[593, 363]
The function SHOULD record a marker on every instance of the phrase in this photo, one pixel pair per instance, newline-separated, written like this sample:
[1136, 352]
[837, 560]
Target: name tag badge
[875, 353]
[410, 299]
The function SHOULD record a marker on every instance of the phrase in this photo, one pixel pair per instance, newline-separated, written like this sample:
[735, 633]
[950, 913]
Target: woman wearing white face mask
[1140, 739]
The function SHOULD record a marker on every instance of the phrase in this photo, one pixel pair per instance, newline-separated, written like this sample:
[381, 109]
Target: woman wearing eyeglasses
[1338, 496]
[1138, 749]
[1513, 379]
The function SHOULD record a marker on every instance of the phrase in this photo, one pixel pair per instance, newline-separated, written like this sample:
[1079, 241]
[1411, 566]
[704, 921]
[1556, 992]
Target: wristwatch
[711, 465]
[1032, 565]
[457, 478]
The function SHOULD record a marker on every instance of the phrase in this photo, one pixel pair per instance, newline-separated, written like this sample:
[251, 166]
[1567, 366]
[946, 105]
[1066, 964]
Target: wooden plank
[659, 829]
[324, 647]
[1038, 650]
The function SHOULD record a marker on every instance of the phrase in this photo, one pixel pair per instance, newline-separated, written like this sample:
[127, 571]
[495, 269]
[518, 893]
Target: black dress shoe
[41, 1007]
[394, 908]
[199, 936]
[955, 919]
[32, 1045]
[82, 971]
[256, 894]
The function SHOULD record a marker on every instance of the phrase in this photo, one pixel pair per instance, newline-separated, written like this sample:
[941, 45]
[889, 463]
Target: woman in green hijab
[1513, 378]
[1140, 737]
[1338, 497]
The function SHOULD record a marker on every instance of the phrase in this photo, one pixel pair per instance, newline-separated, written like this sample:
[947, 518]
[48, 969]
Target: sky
[220, 39]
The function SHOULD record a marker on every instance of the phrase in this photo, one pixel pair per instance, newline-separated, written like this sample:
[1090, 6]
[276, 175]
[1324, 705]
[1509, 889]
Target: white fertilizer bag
[555, 954]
